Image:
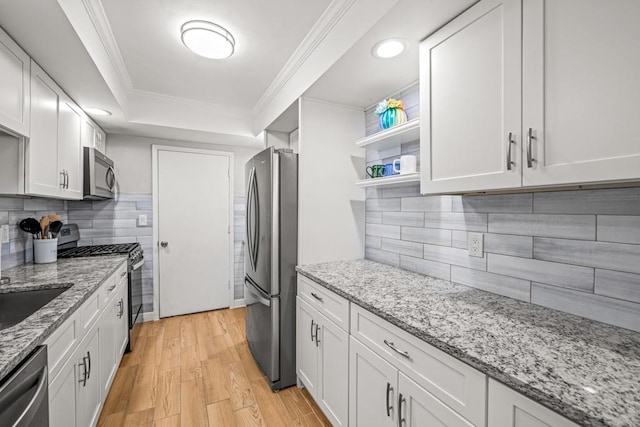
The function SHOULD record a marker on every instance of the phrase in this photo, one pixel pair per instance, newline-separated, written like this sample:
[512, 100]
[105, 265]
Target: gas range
[134, 250]
[68, 248]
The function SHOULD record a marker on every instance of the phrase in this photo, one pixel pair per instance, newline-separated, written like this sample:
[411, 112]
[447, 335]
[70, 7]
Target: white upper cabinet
[581, 91]
[43, 177]
[93, 136]
[14, 86]
[53, 162]
[470, 94]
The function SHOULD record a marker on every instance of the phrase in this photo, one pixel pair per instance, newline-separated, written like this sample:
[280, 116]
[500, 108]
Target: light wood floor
[197, 370]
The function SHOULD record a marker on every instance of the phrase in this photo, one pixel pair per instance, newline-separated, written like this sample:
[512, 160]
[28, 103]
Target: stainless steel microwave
[99, 175]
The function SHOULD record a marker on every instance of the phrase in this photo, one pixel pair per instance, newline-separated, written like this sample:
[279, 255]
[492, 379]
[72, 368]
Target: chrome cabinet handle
[394, 348]
[83, 381]
[111, 288]
[401, 400]
[121, 309]
[317, 335]
[164, 244]
[389, 407]
[89, 358]
[509, 142]
[66, 172]
[313, 338]
[63, 179]
[530, 158]
[124, 273]
[319, 298]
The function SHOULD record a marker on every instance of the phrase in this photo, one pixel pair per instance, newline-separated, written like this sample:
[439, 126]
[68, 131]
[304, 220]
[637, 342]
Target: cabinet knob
[164, 244]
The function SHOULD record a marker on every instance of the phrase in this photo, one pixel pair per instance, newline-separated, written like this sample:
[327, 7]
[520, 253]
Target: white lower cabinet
[508, 408]
[381, 395]
[82, 366]
[323, 362]
[373, 388]
[62, 396]
[88, 387]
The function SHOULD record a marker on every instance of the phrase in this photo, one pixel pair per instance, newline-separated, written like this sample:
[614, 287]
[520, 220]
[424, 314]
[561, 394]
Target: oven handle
[138, 265]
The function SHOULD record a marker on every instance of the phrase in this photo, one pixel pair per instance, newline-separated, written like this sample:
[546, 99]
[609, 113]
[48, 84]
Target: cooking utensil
[44, 224]
[30, 225]
[54, 228]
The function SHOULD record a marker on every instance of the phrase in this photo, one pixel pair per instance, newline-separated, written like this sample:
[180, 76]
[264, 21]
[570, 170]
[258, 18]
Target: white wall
[330, 206]
[132, 156]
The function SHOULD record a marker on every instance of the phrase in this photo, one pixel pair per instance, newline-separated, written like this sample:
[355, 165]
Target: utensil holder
[45, 251]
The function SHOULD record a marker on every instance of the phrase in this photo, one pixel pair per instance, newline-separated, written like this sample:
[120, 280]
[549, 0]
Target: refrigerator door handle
[250, 213]
[256, 238]
[257, 294]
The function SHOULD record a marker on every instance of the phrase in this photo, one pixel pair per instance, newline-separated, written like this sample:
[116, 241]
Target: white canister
[45, 251]
[407, 164]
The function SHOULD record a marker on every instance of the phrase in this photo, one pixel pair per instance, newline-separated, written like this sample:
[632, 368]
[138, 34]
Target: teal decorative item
[391, 112]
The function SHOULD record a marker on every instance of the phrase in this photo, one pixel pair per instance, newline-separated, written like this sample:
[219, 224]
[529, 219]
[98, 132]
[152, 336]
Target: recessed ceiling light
[389, 48]
[208, 39]
[97, 111]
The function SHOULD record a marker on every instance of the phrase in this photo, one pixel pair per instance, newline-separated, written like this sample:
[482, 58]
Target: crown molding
[327, 21]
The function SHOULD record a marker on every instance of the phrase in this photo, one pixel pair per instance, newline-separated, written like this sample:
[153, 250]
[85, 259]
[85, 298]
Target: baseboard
[238, 303]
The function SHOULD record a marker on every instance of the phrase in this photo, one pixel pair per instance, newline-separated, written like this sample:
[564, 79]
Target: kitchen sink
[17, 306]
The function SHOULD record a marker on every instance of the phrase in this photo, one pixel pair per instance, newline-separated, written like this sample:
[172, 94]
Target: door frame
[155, 149]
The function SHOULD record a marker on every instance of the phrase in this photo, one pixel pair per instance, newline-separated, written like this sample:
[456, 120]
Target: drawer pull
[389, 407]
[319, 298]
[313, 338]
[394, 348]
[124, 273]
[111, 288]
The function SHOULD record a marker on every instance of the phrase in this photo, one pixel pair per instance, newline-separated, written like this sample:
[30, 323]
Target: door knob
[164, 244]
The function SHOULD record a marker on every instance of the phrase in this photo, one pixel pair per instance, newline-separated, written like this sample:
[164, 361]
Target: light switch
[4, 234]
[142, 220]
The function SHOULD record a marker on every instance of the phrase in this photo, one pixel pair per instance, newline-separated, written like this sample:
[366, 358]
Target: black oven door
[135, 302]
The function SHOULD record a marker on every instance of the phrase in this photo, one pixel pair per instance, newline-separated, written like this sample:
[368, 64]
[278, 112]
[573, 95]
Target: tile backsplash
[574, 251]
[19, 250]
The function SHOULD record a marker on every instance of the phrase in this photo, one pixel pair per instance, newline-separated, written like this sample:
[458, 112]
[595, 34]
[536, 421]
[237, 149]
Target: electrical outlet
[142, 220]
[4, 234]
[476, 244]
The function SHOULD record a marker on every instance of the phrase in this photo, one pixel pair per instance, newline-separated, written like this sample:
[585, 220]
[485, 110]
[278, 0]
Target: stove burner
[97, 250]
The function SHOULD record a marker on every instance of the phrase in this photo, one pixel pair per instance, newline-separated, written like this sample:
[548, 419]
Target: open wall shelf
[406, 132]
[390, 180]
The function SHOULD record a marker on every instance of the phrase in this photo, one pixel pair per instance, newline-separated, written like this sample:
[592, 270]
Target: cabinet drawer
[331, 305]
[109, 289]
[90, 310]
[121, 275]
[458, 385]
[61, 344]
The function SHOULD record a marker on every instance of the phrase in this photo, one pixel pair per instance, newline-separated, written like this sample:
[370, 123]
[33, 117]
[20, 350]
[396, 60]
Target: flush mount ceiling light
[208, 39]
[97, 111]
[389, 48]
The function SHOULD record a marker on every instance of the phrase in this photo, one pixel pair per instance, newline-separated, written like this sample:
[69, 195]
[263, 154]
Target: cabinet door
[333, 371]
[508, 408]
[307, 351]
[69, 147]
[43, 177]
[62, 396]
[14, 86]
[581, 92]
[420, 408]
[470, 97]
[88, 138]
[101, 141]
[373, 390]
[108, 359]
[88, 393]
[122, 324]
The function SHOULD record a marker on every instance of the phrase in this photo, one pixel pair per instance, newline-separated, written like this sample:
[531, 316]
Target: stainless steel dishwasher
[24, 397]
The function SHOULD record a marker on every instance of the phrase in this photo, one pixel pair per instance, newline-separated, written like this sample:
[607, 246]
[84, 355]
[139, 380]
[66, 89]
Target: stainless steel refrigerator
[271, 252]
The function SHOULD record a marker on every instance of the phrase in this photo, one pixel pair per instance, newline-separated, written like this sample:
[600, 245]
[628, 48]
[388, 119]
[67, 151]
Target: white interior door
[193, 231]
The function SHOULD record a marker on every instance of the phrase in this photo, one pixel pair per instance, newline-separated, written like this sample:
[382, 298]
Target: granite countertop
[585, 370]
[82, 276]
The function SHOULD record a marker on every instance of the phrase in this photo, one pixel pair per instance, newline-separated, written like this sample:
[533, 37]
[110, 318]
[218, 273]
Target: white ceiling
[147, 34]
[127, 57]
[360, 79]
